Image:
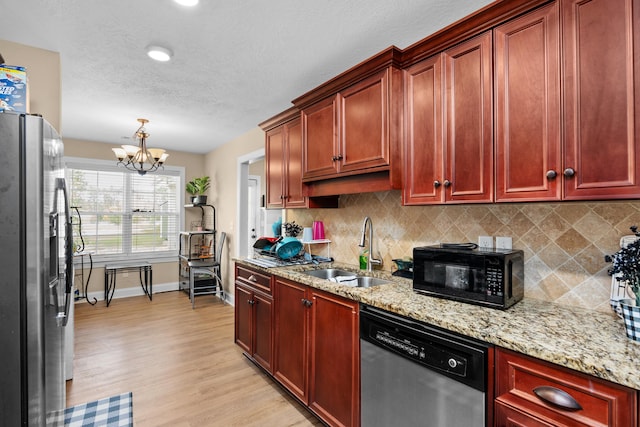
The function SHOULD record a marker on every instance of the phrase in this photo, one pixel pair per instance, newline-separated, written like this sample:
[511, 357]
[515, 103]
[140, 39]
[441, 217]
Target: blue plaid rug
[114, 411]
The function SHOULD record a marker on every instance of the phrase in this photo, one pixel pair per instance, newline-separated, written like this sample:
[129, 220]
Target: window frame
[111, 166]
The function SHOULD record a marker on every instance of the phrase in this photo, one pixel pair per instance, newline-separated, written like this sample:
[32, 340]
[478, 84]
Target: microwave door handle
[509, 280]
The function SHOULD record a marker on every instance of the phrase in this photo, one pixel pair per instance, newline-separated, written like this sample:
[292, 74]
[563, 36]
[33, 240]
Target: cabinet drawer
[530, 385]
[253, 278]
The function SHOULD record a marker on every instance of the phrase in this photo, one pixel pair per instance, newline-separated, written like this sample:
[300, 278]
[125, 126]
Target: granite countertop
[587, 341]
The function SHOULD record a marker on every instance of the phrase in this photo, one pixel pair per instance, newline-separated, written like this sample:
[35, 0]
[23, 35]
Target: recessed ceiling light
[187, 2]
[159, 53]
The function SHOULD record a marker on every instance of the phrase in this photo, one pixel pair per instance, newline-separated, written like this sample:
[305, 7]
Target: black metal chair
[209, 275]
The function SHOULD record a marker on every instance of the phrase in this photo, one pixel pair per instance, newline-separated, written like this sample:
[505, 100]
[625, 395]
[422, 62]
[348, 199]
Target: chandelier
[140, 158]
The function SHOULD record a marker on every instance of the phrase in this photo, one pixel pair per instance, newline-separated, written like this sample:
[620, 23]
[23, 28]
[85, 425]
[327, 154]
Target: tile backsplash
[564, 243]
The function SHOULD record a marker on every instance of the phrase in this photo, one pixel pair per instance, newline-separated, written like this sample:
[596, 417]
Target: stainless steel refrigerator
[36, 271]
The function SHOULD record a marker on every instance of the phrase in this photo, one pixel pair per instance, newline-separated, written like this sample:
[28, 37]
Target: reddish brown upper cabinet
[283, 150]
[317, 350]
[348, 133]
[587, 147]
[601, 43]
[527, 107]
[531, 392]
[449, 126]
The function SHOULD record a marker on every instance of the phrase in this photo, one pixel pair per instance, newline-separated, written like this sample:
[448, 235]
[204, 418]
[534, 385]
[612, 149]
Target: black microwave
[489, 277]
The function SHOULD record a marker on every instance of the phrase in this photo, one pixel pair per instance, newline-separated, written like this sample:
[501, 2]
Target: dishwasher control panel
[445, 352]
[427, 353]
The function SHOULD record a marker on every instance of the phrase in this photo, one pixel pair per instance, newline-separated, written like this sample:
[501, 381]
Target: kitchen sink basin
[329, 273]
[336, 274]
[367, 282]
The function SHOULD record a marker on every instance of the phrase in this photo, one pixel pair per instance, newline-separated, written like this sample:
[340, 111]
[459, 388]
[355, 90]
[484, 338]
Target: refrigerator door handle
[68, 251]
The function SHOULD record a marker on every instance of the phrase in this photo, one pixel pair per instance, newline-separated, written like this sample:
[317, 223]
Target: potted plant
[197, 187]
[625, 264]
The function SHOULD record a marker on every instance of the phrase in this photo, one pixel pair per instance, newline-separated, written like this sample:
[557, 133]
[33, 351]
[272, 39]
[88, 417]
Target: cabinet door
[527, 76]
[469, 121]
[262, 326]
[363, 125]
[601, 92]
[275, 168]
[334, 376]
[318, 140]
[423, 145]
[290, 341]
[294, 197]
[243, 317]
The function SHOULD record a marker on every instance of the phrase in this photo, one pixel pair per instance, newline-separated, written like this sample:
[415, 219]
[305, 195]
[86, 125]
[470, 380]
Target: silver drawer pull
[252, 278]
[557, 397]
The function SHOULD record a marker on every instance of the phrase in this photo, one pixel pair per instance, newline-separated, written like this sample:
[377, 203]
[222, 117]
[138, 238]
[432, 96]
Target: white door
[254, 220]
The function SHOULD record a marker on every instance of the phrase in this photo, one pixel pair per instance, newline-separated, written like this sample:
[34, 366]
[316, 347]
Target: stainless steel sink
[333, 273]
[367, 282]
[328, 273]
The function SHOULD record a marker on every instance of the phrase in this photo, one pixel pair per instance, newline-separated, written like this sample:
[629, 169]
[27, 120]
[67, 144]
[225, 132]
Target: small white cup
[307, 234]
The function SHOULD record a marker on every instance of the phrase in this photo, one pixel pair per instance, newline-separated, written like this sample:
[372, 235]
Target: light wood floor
[181, 365]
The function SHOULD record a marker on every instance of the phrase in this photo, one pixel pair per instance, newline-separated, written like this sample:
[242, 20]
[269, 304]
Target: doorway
[248, 198]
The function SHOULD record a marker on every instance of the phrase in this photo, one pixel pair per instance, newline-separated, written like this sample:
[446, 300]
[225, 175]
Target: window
[124, 215]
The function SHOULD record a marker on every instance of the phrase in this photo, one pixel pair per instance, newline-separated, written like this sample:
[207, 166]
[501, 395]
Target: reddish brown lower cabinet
[254, 315]
[317, 351]
[531, 392]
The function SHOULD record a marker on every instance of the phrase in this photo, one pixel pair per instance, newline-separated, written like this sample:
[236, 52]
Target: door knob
[569, 172]
[551, 174]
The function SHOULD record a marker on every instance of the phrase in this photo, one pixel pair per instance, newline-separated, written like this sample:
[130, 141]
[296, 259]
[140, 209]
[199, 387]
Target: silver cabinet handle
[551, 174]
[447, 183]
[252, 278]
[557, 397]
[569, 172]
[436, 183]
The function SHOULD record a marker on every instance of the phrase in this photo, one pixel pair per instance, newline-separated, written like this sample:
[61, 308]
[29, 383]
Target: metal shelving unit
[197, 249]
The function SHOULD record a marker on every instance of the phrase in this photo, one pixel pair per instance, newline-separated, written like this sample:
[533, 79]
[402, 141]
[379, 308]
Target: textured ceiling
[236, 63]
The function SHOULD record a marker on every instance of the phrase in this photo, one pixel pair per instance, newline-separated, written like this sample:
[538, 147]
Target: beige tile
[593, 227]
[572, 242]
[571, 273]
[572, 211]
[553, 287]
[553, 225]
[553, 256]
[591, 259]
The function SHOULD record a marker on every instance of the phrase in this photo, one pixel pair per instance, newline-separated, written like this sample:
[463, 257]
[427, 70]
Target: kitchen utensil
[307, 234]
[264, 242]
[404, 264]
[288, 247]
[318, 230]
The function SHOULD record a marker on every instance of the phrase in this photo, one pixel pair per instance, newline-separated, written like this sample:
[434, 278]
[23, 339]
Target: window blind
[125, 216]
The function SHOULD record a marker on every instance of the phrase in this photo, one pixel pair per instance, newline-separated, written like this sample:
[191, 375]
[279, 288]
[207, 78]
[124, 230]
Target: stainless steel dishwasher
[413, 374]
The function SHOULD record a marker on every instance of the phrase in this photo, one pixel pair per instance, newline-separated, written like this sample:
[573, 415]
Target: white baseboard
[137, 291]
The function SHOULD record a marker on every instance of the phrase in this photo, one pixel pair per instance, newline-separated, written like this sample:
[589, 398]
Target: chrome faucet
[370, 259]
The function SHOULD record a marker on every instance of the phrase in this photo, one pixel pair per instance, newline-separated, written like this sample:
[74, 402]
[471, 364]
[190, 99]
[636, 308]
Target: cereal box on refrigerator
[13, 88]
